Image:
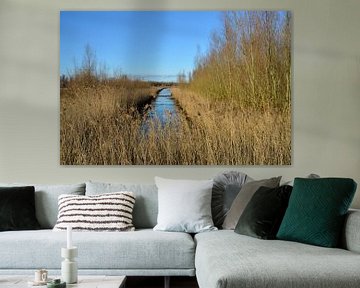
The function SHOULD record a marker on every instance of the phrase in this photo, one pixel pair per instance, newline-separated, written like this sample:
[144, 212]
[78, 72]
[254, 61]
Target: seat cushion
[225, 259]
[144, 249]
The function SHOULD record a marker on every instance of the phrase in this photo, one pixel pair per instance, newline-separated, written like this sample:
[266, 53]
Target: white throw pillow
[184, 205]
[105, 212]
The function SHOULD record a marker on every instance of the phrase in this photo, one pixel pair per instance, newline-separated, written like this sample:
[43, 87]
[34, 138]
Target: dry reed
[97, 130]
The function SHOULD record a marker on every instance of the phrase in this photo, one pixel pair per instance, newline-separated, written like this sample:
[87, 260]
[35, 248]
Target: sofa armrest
[351, 234]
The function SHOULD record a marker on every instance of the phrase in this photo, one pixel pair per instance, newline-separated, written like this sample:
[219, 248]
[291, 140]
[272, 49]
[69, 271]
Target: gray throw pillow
[184, 205]
[242, 199]
[226, 187]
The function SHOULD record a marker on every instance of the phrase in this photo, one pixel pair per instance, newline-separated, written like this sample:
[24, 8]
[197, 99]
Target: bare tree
[89, 63]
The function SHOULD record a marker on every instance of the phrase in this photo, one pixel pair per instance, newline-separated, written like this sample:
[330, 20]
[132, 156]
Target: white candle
[69, 239]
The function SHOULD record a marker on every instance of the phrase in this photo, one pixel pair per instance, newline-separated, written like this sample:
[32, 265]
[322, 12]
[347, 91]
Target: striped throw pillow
[105, 212]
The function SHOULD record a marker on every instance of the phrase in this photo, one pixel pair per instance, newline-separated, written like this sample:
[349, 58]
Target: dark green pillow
[316, 211]
[17, 208]
[264, 212]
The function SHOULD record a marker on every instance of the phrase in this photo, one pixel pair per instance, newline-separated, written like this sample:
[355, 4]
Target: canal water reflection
[163, 107]
[163, 110]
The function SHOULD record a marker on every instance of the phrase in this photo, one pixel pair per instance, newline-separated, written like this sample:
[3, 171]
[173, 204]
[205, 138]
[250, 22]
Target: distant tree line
[90, 73]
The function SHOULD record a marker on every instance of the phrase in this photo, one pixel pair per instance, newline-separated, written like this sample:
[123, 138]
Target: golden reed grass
[102, 126]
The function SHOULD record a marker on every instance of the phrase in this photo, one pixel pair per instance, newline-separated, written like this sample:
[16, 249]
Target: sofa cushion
[146, 205]
[17, 208]
[142, 249]
[263, 215]
[317, 209]
[243, 198]
[184, 205]
[350, 239]
[105, 212]
[46, 200]
[225, 259]
[225, 189]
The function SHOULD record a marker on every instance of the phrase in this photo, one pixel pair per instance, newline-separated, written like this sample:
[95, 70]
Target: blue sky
[150, 44]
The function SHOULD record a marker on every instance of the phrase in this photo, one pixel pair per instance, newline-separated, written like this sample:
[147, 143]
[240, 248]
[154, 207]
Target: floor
[158, 282]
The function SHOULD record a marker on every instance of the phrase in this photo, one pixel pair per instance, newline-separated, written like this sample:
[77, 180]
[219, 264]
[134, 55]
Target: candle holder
[69, 271]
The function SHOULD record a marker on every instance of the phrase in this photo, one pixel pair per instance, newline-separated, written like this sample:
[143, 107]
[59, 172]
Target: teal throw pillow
[316, 211]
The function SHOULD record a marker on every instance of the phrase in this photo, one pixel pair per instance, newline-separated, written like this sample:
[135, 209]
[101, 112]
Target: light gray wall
[326, 91]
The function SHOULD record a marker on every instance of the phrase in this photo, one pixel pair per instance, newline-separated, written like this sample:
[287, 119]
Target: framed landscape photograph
[175, 87]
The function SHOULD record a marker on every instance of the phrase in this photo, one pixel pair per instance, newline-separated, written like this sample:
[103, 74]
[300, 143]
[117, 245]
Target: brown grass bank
[96, 122]
[98, 129]
[226, 134]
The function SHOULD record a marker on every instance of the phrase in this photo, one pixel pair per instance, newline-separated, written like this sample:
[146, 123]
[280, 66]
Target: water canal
[163, 109]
